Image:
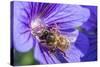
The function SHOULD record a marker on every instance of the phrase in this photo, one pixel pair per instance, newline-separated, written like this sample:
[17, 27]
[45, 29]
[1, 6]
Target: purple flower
[29, 16]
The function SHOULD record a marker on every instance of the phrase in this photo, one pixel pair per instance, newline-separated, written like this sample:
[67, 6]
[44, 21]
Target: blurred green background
[26, 58]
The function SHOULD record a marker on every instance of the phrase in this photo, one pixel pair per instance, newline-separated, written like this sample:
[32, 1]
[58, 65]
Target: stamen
[36, 26]
[35, 23]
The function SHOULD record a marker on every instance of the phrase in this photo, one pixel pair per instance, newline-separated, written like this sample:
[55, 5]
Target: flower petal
[78, 49]
[68, 16]
[72, 36]
[44, 57]
[73, 54]
[23, 43]
[23, 40]
[41, 10]
[82, 43]
[92, 22]
[38, 54]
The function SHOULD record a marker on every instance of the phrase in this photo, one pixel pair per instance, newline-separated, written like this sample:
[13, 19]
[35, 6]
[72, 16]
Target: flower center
[49, 37]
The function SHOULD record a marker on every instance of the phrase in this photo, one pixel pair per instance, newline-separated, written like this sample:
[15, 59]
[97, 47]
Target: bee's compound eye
[50, 38]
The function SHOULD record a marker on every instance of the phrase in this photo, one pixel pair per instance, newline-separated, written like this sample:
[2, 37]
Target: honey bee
[52, 39]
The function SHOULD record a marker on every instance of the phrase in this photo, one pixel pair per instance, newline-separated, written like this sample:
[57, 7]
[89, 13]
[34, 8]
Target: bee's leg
[43, 41]
[62, 52]
[52, 49]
